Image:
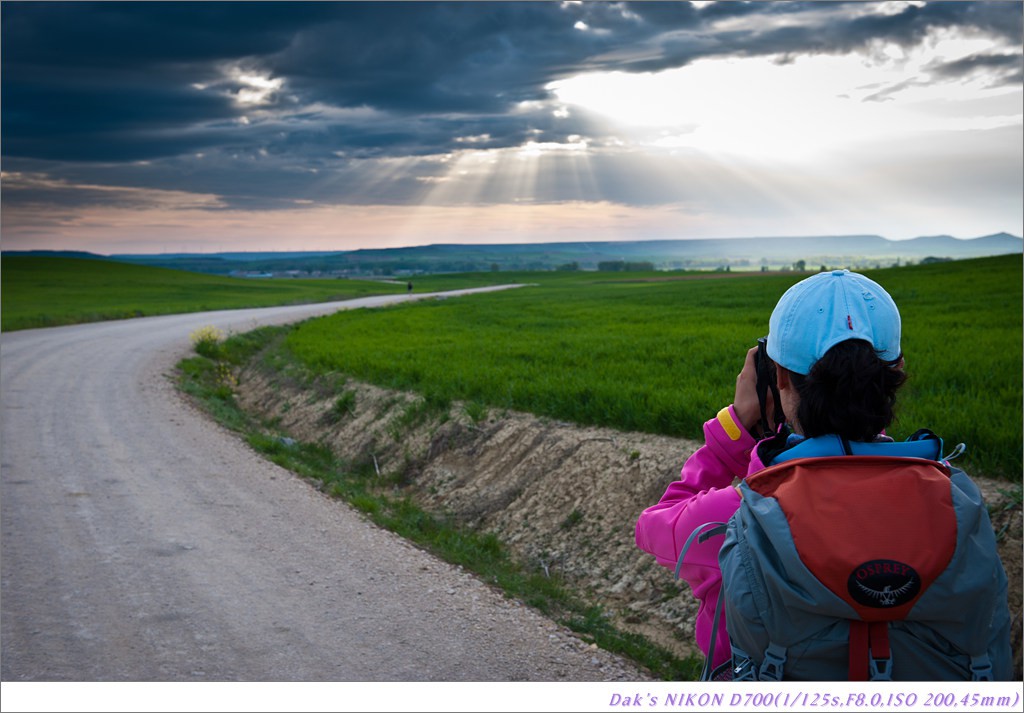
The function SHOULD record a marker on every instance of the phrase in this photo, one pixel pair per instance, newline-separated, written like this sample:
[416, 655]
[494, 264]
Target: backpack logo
[883, 583]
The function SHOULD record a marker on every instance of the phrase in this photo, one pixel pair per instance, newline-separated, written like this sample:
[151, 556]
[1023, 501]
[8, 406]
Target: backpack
[863, 565]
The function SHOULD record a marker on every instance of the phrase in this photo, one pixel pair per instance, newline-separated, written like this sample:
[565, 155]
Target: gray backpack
[857, 567]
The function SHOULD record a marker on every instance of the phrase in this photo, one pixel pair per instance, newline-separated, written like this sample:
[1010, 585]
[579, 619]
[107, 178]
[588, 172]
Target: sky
[152, 127]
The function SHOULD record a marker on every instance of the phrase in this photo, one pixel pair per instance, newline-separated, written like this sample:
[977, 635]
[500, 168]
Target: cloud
[1004, 69]
[274, 104]
[41, 190]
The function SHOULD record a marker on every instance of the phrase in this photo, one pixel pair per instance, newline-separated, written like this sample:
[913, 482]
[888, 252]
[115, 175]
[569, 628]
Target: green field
[654, 352]
[661, 355]
[50, 291]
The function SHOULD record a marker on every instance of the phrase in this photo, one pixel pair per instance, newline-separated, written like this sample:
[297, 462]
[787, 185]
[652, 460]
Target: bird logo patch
[883, 584]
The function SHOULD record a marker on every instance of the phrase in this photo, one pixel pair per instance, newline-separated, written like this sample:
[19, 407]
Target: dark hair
[850, 392]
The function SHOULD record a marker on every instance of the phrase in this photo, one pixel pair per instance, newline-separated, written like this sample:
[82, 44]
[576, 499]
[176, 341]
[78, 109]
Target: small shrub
[574, 518]
[208, 341]
[476, 411]
[344, 405]
[227, 382]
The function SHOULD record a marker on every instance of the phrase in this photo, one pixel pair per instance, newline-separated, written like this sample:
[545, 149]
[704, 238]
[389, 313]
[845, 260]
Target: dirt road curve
[142, 543]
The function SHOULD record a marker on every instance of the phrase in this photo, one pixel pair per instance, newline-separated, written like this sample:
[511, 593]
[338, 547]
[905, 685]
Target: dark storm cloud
[823, 28]
[110, 83]
[1005, 69]
[130, 81]
[431, 58]
[150, 34]
[53, 120]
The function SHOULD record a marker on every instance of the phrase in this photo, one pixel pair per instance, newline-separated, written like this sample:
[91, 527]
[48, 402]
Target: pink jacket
[704, 493]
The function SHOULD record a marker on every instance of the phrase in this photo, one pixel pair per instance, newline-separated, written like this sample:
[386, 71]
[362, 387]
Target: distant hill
[750, 253]
[78, 254]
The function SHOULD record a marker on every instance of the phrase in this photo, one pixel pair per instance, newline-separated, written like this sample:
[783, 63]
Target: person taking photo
[839, 552]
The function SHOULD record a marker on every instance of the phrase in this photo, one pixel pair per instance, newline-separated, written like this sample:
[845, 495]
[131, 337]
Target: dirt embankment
[563, 497]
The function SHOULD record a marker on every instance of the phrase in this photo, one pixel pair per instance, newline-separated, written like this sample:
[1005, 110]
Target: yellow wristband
[731, 428]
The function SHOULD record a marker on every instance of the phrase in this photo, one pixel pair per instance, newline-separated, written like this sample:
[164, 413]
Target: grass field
[655, 352]
[661, 355]
[50, 291]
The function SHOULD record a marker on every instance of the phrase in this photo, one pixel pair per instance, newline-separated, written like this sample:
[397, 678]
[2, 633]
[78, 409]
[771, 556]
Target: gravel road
[141, 542]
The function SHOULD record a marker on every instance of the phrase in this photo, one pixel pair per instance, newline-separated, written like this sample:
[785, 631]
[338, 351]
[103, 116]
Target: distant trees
[623, 266]
[569, 267]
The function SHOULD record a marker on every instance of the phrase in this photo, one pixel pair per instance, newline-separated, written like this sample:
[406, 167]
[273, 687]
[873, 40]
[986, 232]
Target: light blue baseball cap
[827, 308]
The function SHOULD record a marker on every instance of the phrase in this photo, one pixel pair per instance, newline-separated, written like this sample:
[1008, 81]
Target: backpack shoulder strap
[701, 534]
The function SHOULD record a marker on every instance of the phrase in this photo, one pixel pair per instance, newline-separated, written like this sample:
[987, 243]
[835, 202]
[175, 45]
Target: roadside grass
[645, 352]
[52, 291]
[378, 497]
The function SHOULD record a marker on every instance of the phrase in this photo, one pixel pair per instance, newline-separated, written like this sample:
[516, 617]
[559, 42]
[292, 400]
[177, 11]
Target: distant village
[384, 271]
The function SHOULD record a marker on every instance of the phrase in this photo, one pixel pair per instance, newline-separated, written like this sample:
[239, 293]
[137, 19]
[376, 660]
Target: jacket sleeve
[703, 494]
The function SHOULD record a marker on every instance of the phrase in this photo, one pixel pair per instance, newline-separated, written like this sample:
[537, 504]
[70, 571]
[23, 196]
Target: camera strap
[765, 382]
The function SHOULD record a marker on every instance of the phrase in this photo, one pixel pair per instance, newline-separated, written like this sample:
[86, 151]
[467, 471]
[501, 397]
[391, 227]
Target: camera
[767, 380]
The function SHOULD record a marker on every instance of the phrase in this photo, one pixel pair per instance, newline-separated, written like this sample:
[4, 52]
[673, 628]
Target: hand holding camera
[757, 393]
